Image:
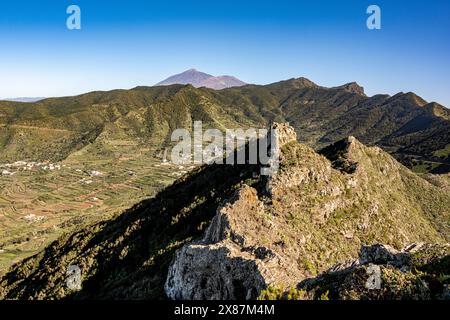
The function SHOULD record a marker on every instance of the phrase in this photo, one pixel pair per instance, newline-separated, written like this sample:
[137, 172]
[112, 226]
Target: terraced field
[38, 204]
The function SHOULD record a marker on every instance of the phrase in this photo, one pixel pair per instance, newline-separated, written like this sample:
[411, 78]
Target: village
[9, 169]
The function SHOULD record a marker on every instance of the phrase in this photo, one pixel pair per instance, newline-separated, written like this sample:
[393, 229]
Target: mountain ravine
[225, 232]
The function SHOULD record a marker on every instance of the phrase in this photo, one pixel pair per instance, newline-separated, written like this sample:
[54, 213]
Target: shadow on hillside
[128, 257]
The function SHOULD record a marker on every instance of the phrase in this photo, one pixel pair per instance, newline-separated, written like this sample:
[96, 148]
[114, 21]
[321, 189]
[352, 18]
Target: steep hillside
[315, 212]
[55, 128]
[419, 272]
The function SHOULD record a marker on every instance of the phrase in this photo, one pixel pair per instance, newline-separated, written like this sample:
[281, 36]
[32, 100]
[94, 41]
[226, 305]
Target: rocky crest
[353, 87]
[382, 272]
[262, 239]
[217, 233]
[229, 263]
[223, 265]
[284, 133]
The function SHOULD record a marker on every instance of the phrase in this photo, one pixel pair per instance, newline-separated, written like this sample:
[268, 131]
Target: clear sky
[123, 44]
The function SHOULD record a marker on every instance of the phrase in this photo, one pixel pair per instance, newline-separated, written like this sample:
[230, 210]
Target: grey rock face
[213, 272]
[220, 266]
[284, 133]
[383, 273]
[384, 255]
[226, 263]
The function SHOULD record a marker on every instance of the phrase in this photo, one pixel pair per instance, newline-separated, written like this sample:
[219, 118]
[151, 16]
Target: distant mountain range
[23, 99]
[200, 79]
[416, 132]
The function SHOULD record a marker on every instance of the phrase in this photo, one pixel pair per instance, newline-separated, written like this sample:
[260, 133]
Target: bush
[277, 293]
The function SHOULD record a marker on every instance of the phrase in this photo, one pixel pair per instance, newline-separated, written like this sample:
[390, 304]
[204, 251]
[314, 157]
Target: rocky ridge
[248, 246]
[382, 272]
[228, 232]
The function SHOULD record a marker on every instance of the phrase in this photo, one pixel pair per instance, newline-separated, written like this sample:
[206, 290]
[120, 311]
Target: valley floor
[40, 201]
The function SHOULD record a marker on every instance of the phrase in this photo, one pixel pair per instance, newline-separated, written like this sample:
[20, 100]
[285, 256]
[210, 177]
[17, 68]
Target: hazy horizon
[19, 99]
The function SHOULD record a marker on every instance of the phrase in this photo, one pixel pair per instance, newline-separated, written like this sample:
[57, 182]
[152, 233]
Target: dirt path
[34, 127]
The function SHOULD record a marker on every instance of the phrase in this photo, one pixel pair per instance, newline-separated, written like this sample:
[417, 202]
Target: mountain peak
[409, 97]
[201, 79]
[352, 87]
[438, 110]
[304, 82]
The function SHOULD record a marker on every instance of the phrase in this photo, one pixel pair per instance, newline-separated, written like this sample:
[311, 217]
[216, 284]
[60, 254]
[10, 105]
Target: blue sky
[123, 44]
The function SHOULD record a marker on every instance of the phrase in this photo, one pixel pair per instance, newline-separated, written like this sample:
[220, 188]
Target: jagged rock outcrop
[223, 265]
[284, 133]
[319, 210]
[416, 272]
[352, 87]
[229, 263]
[384, 254]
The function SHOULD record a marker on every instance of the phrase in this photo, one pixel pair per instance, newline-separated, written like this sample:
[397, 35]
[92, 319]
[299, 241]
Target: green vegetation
[52, 129]
[40, 205]
[444, 153]
[347, 196]
[419, 279]
[274, 292]
[128, 255]
[132, 250]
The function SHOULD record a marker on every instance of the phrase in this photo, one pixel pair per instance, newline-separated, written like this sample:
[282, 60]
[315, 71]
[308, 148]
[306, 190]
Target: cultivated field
[39, 201]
